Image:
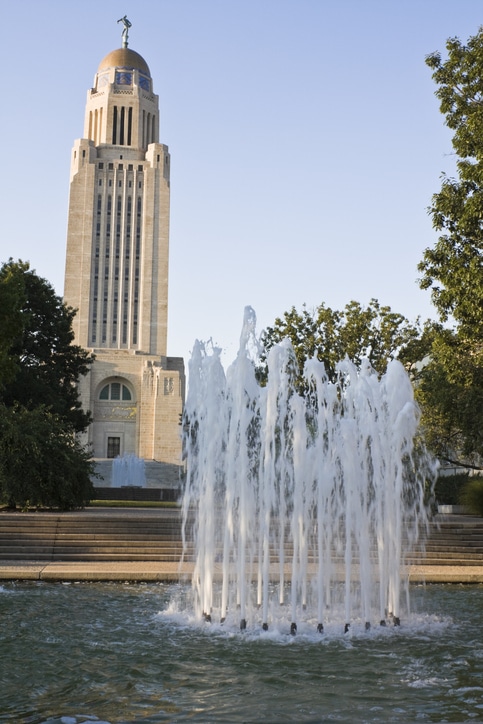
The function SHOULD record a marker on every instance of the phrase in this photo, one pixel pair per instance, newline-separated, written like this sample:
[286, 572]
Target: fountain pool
[301, 508]
[124, 653]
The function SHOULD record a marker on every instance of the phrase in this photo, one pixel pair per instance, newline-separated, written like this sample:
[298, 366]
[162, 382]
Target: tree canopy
[40, 410]
[450, 391]
[451, 385]
[40, 347]
[453, 268]
[374, 332]
[12, 300]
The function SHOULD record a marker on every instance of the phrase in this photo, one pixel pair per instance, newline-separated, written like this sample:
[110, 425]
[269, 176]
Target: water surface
[124, 653]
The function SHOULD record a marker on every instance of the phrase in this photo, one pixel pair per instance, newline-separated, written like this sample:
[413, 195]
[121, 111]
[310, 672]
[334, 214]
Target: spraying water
[128, 470]
[307, 501]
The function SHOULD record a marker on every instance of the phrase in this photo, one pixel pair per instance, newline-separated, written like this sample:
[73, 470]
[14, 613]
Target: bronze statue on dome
[127, 24]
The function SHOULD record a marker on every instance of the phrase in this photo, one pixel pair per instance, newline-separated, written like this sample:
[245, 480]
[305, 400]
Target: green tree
[42, 462]
[373, 332]
[453, 269]
[450, 391]
[12, 300]
[41, 459]
[451, 385]
[47, 364]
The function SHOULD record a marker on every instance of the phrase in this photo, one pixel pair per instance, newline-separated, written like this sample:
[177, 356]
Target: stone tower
[117, 268]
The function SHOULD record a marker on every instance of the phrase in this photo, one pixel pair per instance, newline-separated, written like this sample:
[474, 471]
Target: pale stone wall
[108, 274]
[148, 425]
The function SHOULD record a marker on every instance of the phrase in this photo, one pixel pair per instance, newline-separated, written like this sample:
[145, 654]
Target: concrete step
[5, 550]
[451, 562]
[88, 557]
[121, 539]
[157, 536]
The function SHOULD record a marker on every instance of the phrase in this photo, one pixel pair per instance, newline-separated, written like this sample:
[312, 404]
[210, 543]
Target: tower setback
[117, 268]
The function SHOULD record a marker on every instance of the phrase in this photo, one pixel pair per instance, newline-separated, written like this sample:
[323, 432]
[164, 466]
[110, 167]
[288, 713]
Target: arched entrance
[115, 416]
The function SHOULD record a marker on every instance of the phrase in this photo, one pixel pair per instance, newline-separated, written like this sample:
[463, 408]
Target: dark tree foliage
[41, 459]
[47, 364]
[12, 301]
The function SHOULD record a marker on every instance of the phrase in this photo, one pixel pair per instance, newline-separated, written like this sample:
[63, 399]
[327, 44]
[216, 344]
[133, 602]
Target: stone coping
[172, 572]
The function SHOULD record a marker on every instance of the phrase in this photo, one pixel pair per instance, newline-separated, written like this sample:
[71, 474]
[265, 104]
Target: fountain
[300, 505]
[128, 470]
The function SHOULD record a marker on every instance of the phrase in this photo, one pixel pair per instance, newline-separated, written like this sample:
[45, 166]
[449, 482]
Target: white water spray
[308, 501]
[128, 470]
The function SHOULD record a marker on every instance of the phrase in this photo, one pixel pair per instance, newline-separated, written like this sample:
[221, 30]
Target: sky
[306, 143]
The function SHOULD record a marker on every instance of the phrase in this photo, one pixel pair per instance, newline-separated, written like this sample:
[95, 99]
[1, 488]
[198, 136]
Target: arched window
[115, 391]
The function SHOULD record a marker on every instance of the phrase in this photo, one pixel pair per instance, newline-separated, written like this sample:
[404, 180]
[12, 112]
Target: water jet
[128, 470]
[300, 494]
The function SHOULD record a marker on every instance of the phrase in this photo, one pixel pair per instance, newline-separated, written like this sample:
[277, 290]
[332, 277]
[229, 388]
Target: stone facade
[117, 268]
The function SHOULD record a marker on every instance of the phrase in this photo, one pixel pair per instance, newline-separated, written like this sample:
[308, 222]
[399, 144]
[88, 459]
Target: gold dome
[124, 58]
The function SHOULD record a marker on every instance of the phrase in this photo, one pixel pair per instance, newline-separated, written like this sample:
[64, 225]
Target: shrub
[472, 495]
[448, 489]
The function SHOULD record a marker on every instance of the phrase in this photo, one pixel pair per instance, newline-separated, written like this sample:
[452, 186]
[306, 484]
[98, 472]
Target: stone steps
[88, 536]
[156, 536]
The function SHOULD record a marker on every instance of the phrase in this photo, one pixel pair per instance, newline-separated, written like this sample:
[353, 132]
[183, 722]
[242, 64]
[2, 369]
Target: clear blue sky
[305, 138]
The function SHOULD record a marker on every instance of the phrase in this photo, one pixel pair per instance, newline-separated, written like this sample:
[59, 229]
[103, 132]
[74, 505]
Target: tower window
[129, 126]
[121, 126]
[115, 391]
[113, 447]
